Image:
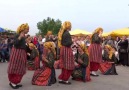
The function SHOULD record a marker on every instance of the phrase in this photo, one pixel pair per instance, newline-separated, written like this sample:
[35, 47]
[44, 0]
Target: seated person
[33, 62]
[108, 66]
[4, 51]
[45, 76]
[81, 71]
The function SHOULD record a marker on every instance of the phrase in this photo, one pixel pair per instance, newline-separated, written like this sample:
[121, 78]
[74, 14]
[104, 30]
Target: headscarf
[50, 45]
[34, 47]
[66, 25]
[49, 33]
[35, 40]
[97, 30]
[111, 50]
[84, 48]
[22, 27]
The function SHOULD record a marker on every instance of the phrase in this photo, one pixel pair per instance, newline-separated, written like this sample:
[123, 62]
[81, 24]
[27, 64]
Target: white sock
[93, 72]
[66, 81]
[13, 84]
[60, 80]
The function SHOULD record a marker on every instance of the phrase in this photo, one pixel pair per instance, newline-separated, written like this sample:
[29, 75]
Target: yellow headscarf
[33, 46]
[66, 25]
[49, 33]
[111, 50]
[97, 30]
[50, 45]
[84, 48]
[22, 27]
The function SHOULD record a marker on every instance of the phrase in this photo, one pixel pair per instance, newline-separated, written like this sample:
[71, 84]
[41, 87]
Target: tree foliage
[49, 24]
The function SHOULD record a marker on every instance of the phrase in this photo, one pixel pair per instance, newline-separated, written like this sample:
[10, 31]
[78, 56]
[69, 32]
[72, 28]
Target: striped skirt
[95, 53]
[104, 67]
[17, 62]
[44, 76]
[66, 58]
[108, 68]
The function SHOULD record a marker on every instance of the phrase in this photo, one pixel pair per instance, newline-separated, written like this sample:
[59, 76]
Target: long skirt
[15, 78]
[94, 66]
[65, 74]
[44, 76]
[66, 58]
[108, 68]
[17, 65]
[95, 53]
[34, 65]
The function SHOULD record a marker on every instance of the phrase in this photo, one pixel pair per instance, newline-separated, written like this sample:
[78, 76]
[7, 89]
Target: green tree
[49, 24]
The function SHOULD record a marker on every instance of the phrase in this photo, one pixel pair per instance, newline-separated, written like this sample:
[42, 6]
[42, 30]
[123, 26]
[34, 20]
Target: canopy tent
[9, 30]
[2, 30]
[120, 32]
[79, 32]
[105, 34]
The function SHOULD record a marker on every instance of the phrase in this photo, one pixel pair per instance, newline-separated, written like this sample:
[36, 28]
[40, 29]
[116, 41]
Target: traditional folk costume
[108, 66]
[33, 62]
[66, 54]
[18, 59]
[82, 71]
[45, 76]
[95, 52]
[48, 38]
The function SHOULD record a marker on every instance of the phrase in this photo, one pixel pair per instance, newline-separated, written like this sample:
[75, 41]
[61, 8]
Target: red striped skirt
[17, 62]
[42, 76]
[95, 53]
[67, 58]
[105, 66]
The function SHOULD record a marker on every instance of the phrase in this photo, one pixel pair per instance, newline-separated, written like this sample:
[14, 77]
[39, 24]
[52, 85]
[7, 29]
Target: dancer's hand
[21, 35]
[100, 35]
[44, 59]
[80, 61]
[28, 54]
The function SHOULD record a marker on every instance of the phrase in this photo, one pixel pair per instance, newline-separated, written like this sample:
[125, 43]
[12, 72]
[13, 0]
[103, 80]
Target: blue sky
[83, 14]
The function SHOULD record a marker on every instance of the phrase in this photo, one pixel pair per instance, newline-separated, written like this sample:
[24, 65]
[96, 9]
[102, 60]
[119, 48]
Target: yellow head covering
[49, 33]
[32, 45]
[84, 48]
[111, 50]
[50, 45]
[22, 27]
[66, 25]
[97, 30]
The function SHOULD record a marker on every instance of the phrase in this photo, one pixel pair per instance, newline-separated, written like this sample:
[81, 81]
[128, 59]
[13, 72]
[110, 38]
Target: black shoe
[14, 87]
[73, 79]
[19, 85]
[60, 81]
[94, 75]
[67, 83]
[64, 82]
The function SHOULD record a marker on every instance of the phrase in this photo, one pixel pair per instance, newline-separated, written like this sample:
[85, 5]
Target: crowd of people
[77, 57]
